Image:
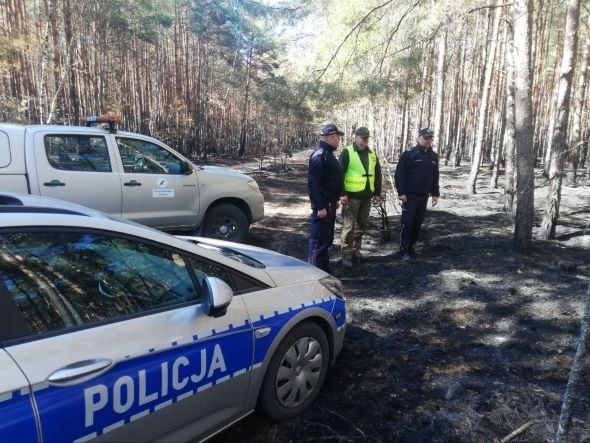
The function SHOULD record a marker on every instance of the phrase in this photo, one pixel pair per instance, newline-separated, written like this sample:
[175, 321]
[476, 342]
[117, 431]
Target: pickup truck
[130, 176]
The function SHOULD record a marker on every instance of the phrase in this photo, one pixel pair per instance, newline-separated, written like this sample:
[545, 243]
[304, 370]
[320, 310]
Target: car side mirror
[218, 295]
[186, 168]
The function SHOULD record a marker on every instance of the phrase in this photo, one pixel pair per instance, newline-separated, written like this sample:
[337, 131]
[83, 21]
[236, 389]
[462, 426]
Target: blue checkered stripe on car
[159, 377]
[275, 320]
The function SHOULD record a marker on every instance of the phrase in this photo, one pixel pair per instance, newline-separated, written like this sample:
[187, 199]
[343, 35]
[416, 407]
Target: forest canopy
[501, 84]
[233, 76]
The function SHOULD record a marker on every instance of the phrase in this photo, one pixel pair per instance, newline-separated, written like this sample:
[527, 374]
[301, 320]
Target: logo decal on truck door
[162, 190]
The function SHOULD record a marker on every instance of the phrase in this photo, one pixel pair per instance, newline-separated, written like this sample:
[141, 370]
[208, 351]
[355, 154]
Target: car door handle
[80, 369]
[54, 183]
[132, 183]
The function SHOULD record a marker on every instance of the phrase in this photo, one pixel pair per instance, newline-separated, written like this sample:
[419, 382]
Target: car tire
[226, 222]
[296, 373]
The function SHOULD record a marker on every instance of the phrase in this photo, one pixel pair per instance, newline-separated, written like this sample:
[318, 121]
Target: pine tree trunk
[440, 92]
[523, 224]
[483, 107]
[242, 139]
[509, 136]
[576, 137]
[558, 139]
[569, 395]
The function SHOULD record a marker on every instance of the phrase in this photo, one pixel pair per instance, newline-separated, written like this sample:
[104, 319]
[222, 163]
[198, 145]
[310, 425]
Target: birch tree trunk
[558, 139]
[483, 106]
[523, 223]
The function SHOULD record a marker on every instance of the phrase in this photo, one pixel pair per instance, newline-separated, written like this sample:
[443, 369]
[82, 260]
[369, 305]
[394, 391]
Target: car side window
[73, 152]
[60, 280]
[140, 156]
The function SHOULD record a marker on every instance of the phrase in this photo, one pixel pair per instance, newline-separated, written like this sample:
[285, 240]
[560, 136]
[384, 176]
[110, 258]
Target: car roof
[15, 202]
[20, 211]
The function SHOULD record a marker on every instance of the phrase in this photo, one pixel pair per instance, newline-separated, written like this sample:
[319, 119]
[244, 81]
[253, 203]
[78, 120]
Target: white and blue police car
[112, 331]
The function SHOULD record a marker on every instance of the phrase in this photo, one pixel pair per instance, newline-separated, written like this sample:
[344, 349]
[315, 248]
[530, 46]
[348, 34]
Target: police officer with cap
[325, 182]
[416, 178]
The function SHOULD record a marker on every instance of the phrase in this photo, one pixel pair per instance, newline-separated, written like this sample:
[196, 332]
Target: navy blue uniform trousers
[413, 214]
[321, 237]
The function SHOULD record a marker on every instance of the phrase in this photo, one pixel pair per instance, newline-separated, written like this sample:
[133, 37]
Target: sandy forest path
[466, 343]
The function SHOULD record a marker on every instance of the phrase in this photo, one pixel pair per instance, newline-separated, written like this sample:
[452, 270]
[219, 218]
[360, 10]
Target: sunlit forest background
[255, 78]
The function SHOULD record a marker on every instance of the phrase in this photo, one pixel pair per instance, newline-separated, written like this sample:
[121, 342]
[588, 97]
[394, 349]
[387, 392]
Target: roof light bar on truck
[111, 120]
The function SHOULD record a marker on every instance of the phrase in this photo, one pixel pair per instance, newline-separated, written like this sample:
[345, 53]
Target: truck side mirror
[186, 168]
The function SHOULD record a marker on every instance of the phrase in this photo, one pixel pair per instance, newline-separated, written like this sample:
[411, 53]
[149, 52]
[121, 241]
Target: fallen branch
[345, 419]
[517, 432]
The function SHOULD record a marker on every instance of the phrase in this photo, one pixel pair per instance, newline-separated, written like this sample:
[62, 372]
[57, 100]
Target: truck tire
[296, 372]
[226, 222]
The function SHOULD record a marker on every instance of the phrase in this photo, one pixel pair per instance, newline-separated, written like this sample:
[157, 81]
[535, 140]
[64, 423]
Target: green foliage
[139, 18]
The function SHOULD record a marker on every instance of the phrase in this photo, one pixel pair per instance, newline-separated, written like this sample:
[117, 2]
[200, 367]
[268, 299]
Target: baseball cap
[425, 132]
[331, 129]
[362, 132]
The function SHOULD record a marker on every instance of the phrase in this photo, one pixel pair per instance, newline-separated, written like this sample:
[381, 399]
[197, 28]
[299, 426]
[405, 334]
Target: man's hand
[403, 198]
[434, 201]
[376, 199]
[323, 213]
[344, 200]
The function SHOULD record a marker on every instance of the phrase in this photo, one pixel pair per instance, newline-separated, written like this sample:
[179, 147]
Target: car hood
[283, 270]
[223, 172]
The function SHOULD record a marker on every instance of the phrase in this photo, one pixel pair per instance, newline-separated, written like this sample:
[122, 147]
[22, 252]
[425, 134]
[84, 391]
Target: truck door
[77, 168]
[157, 192]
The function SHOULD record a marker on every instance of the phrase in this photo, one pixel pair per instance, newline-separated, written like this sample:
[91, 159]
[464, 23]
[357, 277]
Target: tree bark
[483, 107]
[509, 135]
[558, 139]
[440, 92]
[523, 224]
[569, 395]
[576, 136]
[242, 140]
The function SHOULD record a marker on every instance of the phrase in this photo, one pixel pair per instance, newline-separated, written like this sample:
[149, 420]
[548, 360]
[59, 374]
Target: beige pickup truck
[130, 176]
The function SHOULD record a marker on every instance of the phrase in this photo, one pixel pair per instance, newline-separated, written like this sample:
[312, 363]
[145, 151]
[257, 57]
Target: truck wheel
[226, 222]
[296, 373]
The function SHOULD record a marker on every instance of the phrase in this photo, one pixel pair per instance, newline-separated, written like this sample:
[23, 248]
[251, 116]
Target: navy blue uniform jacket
[325, 179]
[417, 172]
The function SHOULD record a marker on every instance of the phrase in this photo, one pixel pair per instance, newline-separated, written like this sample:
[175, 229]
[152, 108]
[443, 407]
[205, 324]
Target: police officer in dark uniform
[325, 182]
[416, 178]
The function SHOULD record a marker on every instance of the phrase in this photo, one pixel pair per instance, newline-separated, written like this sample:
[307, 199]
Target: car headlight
[333, 285]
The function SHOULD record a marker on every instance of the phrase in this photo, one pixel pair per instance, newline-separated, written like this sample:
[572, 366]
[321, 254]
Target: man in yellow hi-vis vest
[362, 186]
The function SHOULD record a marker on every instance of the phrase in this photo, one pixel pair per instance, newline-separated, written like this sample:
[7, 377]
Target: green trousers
[355, 219]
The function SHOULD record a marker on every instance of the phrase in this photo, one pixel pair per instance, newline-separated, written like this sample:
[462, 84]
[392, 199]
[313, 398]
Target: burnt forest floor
[465, 343]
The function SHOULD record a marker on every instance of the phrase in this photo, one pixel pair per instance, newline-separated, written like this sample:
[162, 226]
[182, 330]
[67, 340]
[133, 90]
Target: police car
[113, 331]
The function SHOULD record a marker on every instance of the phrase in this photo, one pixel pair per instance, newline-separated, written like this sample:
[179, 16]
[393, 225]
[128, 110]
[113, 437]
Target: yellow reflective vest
[355, 178]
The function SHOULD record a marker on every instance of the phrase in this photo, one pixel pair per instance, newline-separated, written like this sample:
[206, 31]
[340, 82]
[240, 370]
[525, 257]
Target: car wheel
[296, 373]
[226, 222]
